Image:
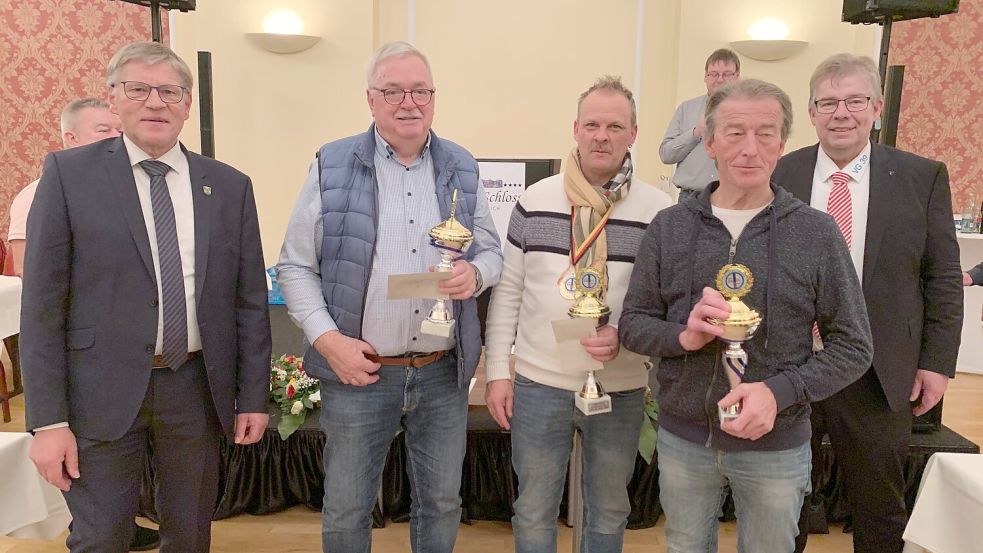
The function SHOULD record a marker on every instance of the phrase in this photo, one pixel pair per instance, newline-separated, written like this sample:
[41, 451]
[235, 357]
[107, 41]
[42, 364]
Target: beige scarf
[591, 207]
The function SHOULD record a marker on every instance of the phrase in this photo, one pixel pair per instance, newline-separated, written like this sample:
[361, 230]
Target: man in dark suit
[895, 212]
[144, 317]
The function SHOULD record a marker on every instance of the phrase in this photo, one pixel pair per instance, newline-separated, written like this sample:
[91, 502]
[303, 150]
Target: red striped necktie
[840, 205]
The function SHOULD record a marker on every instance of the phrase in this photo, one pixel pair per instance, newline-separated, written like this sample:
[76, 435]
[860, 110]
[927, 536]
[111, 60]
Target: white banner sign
[504, 182]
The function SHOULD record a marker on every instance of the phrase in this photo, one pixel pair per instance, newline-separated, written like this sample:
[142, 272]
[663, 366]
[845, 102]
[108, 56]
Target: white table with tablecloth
[30, 508]
[948, 514]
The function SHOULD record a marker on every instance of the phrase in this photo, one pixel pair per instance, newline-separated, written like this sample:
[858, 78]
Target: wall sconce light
[282, 33]
[769, 41]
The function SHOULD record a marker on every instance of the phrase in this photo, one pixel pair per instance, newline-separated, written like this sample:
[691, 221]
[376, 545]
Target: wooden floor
[298, 529]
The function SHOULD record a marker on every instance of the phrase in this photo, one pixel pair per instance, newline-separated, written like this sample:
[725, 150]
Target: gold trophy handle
[453, 205]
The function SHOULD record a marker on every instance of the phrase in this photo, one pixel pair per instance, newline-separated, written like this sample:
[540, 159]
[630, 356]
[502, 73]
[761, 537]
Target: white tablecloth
[10, 288]
[30, 508]
[948, 514]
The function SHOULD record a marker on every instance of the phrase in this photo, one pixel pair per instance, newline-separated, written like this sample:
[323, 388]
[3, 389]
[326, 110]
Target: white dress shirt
[179, 187]
[859, 171]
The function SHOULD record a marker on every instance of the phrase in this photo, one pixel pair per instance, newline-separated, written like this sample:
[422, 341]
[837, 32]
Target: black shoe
[144, 539]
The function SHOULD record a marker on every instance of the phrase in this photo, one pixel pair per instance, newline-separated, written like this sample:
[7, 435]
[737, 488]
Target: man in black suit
[895, 211]
[144, 316]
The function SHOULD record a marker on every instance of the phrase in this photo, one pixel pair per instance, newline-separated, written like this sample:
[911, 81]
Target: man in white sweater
[573, 221]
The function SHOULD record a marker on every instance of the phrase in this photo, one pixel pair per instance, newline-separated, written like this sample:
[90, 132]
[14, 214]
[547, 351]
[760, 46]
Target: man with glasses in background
[682, 144]
[895, 213]
[363, 214]
[145, 316]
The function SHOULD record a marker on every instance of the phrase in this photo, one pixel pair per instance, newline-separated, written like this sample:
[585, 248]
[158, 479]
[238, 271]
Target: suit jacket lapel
[878, 216]
[120, 174]
[203, 216]
[800, 175]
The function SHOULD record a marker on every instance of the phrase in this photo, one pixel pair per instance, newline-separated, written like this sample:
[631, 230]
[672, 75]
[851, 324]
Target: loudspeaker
[929, 422]
[182, 5]
[876, 11]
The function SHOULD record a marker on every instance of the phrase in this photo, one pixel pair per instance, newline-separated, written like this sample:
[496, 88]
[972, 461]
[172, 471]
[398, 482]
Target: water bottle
[969, 217]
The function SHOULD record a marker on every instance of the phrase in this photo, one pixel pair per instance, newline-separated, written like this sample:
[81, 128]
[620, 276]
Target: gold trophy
[592, 399]
[734, 281]
[452, 239]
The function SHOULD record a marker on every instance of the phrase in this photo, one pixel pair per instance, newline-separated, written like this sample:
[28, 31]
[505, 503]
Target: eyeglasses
[168, 93]
[829, 105]
[395, 96]
[725, 75]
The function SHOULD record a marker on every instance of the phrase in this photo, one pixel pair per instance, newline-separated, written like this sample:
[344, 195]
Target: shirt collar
[383, 149]
[174, 157]
[826, 166]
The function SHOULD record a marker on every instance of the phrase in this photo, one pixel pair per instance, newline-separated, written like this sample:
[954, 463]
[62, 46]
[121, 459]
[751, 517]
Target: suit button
[154, 303]
[149, 348]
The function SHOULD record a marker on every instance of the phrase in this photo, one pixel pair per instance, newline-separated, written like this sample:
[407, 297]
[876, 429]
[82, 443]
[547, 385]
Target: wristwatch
[477, 278]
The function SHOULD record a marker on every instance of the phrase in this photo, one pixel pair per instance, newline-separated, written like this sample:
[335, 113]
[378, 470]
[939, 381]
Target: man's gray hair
[71, 111]
[611, 84]
[749, 89]
[842, 65]
[150, 53]
[725, 55]
[393, 50]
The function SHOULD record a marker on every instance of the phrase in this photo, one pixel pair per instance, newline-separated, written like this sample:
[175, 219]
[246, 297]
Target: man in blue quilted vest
[365, 213]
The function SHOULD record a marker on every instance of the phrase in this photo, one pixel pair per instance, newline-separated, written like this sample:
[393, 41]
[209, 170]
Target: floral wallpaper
[52, 52]
[941, 112]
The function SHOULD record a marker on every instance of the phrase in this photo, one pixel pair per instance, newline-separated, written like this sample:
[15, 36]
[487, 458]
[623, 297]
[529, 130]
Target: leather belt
[159, 360]
[415, 360]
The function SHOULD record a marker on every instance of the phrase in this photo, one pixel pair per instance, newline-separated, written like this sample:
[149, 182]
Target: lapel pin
[207, 190]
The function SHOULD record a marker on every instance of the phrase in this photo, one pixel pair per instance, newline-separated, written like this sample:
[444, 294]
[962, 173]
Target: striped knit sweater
[527, 297]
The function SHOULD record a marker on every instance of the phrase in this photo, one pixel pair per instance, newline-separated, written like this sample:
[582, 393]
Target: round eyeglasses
[168, 93]
[395, 96]
[829, 105]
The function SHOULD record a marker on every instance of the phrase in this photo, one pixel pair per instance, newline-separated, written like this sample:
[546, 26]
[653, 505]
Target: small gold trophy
[452, 239]
[592, 399]
[734, 281]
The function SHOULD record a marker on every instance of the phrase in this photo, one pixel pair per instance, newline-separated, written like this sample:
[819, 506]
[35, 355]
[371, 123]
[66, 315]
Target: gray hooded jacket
[802, 273]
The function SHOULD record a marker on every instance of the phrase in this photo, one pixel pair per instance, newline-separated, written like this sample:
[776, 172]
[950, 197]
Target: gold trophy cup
[734, 281]
[591, 399]
[452, 239]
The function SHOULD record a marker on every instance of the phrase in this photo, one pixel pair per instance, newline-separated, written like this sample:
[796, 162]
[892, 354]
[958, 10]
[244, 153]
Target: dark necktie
[175, 342]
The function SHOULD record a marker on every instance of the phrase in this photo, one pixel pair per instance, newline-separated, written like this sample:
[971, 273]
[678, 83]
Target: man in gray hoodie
[802, 273]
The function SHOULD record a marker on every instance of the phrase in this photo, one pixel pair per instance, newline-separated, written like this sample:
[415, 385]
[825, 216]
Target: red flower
[290, 391]
[291, 358]
[300, 366]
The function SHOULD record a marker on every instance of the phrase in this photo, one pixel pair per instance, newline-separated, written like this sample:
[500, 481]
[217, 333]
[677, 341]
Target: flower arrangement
[294, 392]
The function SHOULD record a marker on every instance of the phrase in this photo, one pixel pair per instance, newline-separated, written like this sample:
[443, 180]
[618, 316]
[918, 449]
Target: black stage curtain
[274, 475]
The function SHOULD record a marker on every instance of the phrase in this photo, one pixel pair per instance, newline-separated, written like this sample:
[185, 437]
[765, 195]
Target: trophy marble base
[729, 413]
[444, 329]
[593, 406]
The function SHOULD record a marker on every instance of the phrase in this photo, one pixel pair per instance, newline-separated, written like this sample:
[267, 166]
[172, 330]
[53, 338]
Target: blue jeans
[359, 425]
[543, 422]
[768, 488]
